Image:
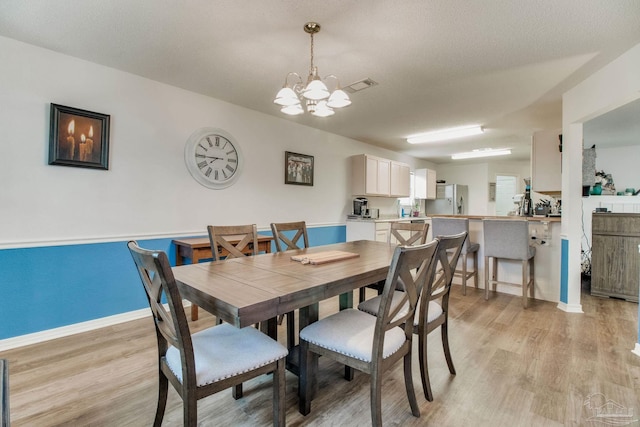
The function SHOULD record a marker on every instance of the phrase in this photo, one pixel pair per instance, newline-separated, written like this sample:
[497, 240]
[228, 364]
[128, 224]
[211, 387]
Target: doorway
[506, 188]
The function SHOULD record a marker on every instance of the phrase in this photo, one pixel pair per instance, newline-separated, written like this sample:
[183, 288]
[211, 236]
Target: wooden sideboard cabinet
[615, 263]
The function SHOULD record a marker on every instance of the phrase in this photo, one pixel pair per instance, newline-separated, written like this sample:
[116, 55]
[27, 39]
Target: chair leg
[424, 366]
[444, 329]
[190, 410]
[194, 312]
[486, 278]
[163, 389]
[279, 409]
[375, 396]
[304, 379]
[236, 391]
[525, 283]
[408, 383]
[475, 269]
[362, 295]
[532, 278]
[494, 275]
[464, 274]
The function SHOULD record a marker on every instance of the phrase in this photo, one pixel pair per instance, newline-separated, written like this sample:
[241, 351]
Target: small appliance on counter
[360, 206]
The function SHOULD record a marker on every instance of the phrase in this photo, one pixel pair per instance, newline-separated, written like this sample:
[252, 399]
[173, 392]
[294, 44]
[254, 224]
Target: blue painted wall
[48, 287]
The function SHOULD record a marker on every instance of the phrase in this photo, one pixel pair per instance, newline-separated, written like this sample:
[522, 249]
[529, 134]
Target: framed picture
[78, 138]
[298, 168]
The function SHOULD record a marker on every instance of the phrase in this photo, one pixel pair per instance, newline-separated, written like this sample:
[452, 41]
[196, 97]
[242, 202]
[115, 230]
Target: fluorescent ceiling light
[444, 134]
[486, 152]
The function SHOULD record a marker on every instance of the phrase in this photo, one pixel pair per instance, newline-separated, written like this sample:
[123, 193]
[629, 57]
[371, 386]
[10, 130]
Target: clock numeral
[200, 155]
[209, 141]
[202, 164]
[203, 147]
[230, 152]
[232, 160]
[229, 168]
[224, 173]
[208, 172]
[215, 175]
[217, 141]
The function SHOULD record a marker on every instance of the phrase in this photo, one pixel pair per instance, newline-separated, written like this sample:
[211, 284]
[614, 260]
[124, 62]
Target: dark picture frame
[298, 168]
[78, 138]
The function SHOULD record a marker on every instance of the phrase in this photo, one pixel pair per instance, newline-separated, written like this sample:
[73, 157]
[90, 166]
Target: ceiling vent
[360, 85]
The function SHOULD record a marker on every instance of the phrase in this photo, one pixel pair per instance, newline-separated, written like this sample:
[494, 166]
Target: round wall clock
[213, 158]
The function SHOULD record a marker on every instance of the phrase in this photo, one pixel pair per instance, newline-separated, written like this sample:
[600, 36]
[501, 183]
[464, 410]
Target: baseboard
[636, 350]
[570, 308]
[76, 328]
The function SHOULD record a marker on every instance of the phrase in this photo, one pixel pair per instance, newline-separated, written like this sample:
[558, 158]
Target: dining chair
[282, 230]
[433, 307]
[404, 234]
[508, 239]
[247, 236]
[449, 226]
[371, 344]
[283, 234]
[208, 361]
[247, 243]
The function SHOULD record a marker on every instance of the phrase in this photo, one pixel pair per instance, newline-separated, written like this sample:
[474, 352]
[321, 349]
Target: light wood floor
[516, 367]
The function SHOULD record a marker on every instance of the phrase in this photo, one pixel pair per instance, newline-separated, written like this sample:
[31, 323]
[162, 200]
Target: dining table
[245, 291]
[198, 248]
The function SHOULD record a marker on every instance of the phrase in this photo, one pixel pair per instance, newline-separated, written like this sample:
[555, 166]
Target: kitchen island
[544, 232]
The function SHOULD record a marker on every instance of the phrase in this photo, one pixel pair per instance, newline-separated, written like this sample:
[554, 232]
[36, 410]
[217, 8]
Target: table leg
[307, 316]
[194, 307]
[346, 301]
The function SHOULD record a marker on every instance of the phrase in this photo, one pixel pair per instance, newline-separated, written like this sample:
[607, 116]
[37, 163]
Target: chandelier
[315, 94]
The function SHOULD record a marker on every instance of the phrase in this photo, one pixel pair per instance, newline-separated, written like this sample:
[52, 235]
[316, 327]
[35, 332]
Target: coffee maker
[360, 206]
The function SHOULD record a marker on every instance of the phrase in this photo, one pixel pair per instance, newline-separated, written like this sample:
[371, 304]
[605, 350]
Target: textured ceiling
[503, 64]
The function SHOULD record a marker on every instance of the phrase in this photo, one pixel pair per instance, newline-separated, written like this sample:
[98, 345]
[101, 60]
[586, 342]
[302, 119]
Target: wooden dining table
[197, 248]
[244, 291]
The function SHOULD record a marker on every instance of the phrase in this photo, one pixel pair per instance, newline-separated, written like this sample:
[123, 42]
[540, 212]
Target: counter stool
[508, 239]
[449, 226]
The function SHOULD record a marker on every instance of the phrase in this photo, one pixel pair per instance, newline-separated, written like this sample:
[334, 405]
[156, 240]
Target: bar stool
[508, 239]
[449, 226]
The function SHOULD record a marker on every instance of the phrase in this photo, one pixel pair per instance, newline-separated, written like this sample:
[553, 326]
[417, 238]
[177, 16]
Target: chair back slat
[411, 265]
[220, 237]
[282, 239]
[417, 233]
[171, 326]
[438, 287]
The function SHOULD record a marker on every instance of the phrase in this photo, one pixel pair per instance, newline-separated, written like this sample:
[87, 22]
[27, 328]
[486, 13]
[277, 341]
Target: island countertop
[481, 217]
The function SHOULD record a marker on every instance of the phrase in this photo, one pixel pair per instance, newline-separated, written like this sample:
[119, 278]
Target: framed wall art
[298, 168]
[78, 138]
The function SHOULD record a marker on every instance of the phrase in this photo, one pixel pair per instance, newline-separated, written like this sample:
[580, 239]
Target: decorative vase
[596, 190]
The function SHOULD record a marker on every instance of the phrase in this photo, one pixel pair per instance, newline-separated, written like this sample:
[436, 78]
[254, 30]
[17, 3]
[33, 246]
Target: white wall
[622, 164]
[478, 176]
[147, 190]
[614, 85]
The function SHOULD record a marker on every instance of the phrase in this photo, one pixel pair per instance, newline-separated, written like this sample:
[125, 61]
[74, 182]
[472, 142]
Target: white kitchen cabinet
[370, 175]
[400, 179]
[546, 162]
[424, 186]
[367, 230]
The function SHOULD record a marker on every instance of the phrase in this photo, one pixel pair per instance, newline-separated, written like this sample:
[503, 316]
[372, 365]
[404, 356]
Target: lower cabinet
[367, 230]
[615, 261]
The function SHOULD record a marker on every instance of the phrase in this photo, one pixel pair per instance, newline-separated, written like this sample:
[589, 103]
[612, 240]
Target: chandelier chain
[311, 65]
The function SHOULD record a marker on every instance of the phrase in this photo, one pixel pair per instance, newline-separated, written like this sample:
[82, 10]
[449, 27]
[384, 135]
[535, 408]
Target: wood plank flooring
[516, 367]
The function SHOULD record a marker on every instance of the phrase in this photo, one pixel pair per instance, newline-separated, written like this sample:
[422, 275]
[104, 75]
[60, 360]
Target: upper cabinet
[546, 162]
[424, 186]
[375, 176]
[400, 179]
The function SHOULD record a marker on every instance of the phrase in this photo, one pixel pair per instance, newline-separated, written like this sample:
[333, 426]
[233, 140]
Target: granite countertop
[481, 217]
[389, 219]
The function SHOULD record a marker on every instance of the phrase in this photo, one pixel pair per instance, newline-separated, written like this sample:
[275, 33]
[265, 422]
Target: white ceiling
[503, 64]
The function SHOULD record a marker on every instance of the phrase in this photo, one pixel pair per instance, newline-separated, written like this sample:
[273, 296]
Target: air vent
[360, 85]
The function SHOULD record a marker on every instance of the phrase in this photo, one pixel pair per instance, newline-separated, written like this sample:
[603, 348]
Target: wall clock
[213, 158]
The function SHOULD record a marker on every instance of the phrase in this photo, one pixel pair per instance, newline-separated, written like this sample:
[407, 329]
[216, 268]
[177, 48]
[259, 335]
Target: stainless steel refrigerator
[451, 199]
